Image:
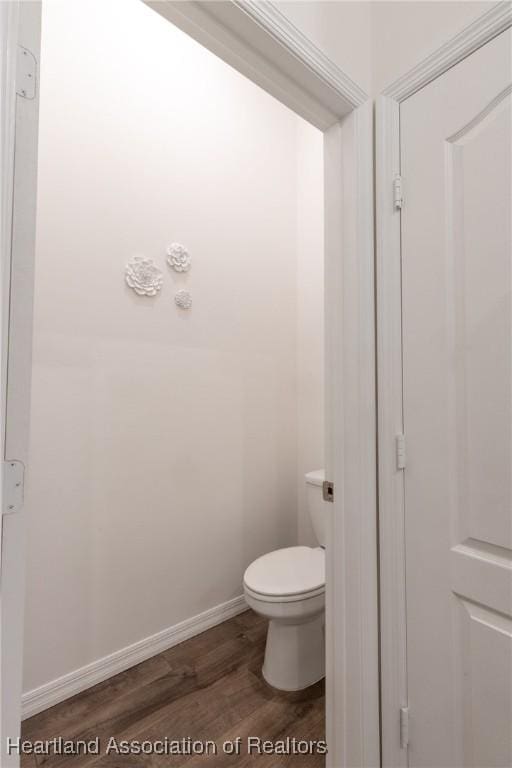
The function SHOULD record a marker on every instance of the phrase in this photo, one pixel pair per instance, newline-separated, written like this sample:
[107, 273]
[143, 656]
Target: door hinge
[404, 727]
[26, 73]
[328, 490]
[400, 451]
[13, 479]
[398, 197]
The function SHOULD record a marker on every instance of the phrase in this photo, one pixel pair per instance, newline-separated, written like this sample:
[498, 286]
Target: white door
[457, 342]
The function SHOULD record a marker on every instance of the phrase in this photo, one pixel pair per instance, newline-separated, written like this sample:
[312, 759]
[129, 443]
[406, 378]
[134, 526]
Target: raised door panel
[478, 173]
[483, 677]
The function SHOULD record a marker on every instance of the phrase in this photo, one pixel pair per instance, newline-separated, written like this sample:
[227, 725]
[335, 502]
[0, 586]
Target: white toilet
[288, 588]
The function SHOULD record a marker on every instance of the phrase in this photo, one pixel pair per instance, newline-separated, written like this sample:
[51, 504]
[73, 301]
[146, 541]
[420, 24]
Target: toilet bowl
[287, 587]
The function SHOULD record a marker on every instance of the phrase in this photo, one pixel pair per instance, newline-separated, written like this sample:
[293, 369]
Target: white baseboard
[62, 688]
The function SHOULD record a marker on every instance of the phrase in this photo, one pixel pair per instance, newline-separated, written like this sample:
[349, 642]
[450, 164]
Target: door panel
[457, 344]
[480, 262]
[483, 729]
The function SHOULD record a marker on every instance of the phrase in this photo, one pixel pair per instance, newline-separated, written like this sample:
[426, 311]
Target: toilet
[287, 587]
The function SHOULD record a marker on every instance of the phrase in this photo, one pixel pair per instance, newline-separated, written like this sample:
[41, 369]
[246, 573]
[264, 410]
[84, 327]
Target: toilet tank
[317, 507]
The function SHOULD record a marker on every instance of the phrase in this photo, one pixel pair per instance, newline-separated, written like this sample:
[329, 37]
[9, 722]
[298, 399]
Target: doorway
[347, 142]
[176, 427]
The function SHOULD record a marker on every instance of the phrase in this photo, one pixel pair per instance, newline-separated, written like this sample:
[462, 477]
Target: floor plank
[207, 688]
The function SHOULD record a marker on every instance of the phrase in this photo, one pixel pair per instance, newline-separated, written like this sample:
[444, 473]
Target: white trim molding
[494, 21]
[352, 679]
[393, 649]
[79, 680]
[19, 110]
[276, 24]
[10, 673]
[390, 424]
[262, 43]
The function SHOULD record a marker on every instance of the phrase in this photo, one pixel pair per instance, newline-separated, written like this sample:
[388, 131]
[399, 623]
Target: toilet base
[295, 654]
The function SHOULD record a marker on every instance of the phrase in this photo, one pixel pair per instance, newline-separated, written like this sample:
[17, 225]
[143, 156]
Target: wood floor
[209, 687]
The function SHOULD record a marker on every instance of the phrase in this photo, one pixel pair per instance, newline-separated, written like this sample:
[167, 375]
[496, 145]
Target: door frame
[20, 26]
[391, 501]
[259, 41]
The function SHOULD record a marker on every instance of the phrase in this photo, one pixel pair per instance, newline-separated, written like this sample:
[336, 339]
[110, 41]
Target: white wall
[310, 325]
[164, 448]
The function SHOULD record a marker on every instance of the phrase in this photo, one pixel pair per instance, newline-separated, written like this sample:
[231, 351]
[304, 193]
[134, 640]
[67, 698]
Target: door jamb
[20, 27]
[344, 113]
[393, 656]
[9, 38]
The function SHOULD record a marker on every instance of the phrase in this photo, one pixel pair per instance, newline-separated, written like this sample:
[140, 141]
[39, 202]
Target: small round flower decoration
[183, 299]
[178, 258]
[143, 276]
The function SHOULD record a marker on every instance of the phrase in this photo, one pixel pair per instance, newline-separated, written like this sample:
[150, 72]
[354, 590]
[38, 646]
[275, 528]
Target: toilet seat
[301, 597]
[287, 575]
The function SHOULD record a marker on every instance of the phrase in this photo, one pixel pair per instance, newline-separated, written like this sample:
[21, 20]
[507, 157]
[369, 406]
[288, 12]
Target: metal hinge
[398, 198]
[26, 73]
[13, 475]
[328, 490]
[400, 451]
[404, 727]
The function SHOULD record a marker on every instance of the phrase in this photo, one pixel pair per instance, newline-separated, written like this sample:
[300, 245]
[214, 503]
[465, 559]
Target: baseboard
[62, 688]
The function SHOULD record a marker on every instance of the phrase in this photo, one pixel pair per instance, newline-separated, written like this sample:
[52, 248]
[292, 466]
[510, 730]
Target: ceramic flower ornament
[178, 258]
[143, 276]
[183, 299]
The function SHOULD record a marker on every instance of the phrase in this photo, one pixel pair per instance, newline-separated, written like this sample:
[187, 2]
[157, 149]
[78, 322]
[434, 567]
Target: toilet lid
[290, 571]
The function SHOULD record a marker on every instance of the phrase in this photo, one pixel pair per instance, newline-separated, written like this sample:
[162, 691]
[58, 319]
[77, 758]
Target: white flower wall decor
[143, 276]
[178, 258]
[183, 299]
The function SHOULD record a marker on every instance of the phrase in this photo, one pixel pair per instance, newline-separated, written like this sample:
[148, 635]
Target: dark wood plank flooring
[209, 687]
